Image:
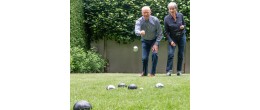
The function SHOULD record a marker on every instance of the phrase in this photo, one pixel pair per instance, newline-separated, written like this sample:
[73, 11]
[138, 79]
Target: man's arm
[137, 27]
[183, 22]
[167, 31]
[159, 32]
[183, 25]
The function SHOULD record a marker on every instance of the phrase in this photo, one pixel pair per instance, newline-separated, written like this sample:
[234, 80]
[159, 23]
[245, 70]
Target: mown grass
[175, 95]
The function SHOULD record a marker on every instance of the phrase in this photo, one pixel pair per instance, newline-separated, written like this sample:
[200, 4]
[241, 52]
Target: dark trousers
[146, 47]
[180, 42]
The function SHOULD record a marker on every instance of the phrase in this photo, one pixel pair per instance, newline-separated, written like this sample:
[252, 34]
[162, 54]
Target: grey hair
[173, 4]
[146, 7]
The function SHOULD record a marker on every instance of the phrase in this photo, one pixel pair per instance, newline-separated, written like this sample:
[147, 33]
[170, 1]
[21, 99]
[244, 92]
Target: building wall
[122, 59]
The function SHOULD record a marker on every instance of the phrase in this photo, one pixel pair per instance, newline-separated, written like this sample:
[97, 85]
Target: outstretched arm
[137, 28]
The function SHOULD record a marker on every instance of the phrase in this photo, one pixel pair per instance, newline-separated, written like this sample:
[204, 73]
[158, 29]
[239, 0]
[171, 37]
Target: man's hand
[142, 33]
[155, 48]
[173, 44]
[182, 27]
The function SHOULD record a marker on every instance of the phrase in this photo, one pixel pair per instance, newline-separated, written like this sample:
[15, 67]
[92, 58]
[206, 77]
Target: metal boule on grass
[132, 86]
[159, 85]
[110, 87]
[82, 105]
[122, 85]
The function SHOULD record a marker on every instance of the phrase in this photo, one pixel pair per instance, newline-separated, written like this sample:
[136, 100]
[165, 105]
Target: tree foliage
[115, 19]
[77, 31]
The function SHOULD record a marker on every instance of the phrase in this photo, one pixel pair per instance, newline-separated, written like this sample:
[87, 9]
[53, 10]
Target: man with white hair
[149, 28]
[175, 32]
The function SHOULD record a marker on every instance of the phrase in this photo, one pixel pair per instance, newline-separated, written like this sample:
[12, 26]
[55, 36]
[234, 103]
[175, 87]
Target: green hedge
[115, 19]
[91, 20]
[77, 29]
[85, 62]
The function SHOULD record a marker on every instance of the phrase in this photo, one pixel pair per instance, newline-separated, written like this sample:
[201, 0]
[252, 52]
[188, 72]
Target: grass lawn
[175, 95]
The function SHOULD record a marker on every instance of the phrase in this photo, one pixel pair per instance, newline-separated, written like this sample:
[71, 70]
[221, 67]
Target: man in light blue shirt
[149, 28]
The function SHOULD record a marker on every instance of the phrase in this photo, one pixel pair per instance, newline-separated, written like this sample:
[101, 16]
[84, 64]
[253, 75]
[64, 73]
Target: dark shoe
[142, 74]
[179, 73]
[169, 73]
[151, 75]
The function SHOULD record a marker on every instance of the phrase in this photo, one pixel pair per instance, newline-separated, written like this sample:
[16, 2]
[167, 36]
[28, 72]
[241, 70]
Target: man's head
[146, 12]
[172, 7]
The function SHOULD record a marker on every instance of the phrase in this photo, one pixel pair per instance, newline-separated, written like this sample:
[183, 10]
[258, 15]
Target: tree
[77, 28]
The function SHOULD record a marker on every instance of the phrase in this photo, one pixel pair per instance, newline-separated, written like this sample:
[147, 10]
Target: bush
[85, 62]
